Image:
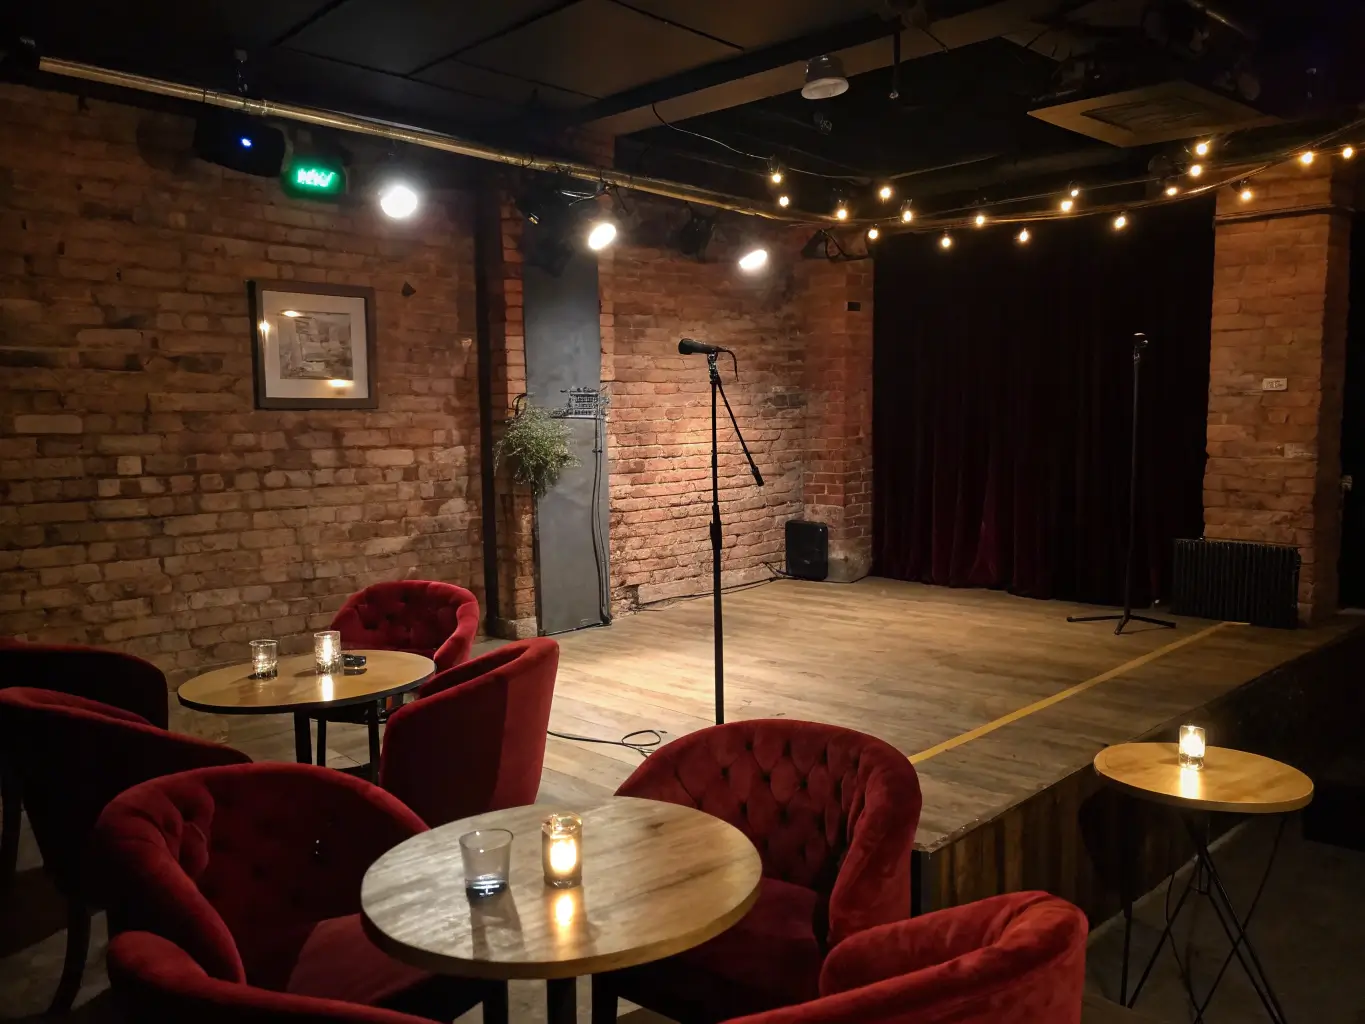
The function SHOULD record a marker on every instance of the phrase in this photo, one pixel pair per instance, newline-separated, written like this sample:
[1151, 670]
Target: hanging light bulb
[907, 214]
[873, 234]
[784, 200]
[946, 242]
[980, 220]
[1347, 152]
[1307, 158]
[841, 211]
[1067, 205]
[1202, 148]
[776, 172]
[1196, 170]
[885, 192]
[1023, 236]
[1172, 190]
[1244, 193]
[1075, 192]
[1120, 222]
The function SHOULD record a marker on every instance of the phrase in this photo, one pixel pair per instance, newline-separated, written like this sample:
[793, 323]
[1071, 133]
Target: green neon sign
[312, 177]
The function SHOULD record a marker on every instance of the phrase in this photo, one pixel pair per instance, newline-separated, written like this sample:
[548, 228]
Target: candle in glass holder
[561, 850]
[1191, 747]
[327, 652]
[265, 656]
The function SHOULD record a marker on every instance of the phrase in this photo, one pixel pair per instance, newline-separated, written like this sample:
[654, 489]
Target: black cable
[783, 574]
[642, 747]
[603, 574]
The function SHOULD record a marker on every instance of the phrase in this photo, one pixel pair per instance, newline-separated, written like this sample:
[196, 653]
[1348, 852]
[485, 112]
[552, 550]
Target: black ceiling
[972, 71]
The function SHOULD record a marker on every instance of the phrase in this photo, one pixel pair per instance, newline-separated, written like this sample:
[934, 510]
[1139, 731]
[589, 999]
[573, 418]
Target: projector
[239, 142]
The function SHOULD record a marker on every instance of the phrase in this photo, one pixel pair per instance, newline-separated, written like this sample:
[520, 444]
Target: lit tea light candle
[327, 652]
[1191, 747]
[561, 850]
[265, 656]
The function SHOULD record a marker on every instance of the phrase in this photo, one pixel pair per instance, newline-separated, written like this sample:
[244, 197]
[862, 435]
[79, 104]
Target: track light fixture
[825, 78]
[907, 214]
[885, 193]
[398, 200]
[694, 236]
[601, 233]
[1244, 192]
[754, 260]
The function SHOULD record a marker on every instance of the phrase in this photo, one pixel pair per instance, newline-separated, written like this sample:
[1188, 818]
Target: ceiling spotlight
[1245, 194]
[873, 234]
[398, 201]
[841, 211]
[775, 172]
[1307, 157]
[784, 201]
[824, 78]
[1202, 149]
[1120, 222]
[980, 220]
[907, 214]
[1347, 152]
[1068, 205]
[946, 242]
[1172, 190]
[1196, 170]
[601, 234]
[1023, 236]
[245, 140]
[695, 235]
[753, 261]
[885, 192]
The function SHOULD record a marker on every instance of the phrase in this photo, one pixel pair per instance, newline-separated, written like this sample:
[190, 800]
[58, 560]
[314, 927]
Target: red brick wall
[148, 505]
[1281, 283]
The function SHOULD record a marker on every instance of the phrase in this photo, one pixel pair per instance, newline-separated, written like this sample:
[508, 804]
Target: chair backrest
[803, 792]
[437, 620]
[73, 755]
[474, 740]
[237, 865]
[155, 980]
[1012, 959]
[110, 677]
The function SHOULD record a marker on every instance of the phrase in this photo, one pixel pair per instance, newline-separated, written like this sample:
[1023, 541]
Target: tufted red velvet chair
[254, 872]
[155, 980]
[72, 756]
[109, 677]
[436, 620]
[1013, 959]
[833, 813]
[474, 740]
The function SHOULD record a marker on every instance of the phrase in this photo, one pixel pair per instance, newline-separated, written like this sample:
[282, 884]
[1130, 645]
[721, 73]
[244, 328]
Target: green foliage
[538, 447]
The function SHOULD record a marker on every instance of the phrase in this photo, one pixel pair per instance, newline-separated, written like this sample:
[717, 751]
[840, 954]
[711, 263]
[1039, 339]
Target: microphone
[688, 347]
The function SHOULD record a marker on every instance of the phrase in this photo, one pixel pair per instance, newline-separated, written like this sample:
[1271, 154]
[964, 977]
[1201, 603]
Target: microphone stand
[1139, 344]
[717, 388]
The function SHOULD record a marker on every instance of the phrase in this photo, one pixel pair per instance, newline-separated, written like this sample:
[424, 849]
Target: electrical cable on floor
[642, 747]
[782, 574]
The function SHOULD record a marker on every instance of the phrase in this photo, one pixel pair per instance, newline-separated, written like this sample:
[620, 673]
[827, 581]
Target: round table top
[1231, 780]
[658, 879]
[297, 686]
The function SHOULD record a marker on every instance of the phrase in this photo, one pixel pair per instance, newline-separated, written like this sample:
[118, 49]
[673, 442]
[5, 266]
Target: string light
[776, 172]
[873, 234]
[1202, 149]
[1023, 236]
[1120, 222]
[784, 201]
[1347, 152]
[1307, 157]
[1068, 205]
[1171, 190]
[946, 242]
[1075, 193]
[885, 192]
[1244, 193]
[907, 214]
[841, 210]
[1196, 170]
[980, 220]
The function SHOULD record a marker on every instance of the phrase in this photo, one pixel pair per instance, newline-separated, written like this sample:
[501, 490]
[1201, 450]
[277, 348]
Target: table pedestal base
[1205, 881]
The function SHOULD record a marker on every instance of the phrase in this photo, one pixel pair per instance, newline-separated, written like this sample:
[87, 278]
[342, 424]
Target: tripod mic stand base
[1122, 620]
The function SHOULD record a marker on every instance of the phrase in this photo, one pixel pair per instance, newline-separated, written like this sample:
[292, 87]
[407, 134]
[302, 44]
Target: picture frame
[313, 345]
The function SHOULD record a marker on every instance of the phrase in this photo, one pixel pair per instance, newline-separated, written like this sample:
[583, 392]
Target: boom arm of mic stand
[753, 466]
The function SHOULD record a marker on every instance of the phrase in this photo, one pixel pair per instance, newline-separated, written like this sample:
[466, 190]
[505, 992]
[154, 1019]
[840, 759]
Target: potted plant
[537, 445]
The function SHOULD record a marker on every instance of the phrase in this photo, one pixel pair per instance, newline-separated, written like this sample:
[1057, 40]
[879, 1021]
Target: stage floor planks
[913, 664]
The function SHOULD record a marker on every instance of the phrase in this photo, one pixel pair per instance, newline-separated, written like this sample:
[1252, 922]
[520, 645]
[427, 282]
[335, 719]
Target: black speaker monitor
[807, 550]
[237, 141]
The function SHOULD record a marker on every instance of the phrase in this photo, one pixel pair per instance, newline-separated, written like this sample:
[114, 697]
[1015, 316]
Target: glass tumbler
[487, 856]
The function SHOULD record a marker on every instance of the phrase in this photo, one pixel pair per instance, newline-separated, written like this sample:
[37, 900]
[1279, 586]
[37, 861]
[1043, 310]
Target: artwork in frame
[314, 345]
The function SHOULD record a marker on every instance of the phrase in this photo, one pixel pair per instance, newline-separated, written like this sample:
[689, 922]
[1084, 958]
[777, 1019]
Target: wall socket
[1275, 384]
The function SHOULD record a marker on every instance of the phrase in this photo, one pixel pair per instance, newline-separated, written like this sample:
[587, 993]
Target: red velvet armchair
[254, 872]
[436, 620]
[110, 677]
[1013, 959]
[155, 980]
[474, 740]
[833, 814]
[72, 756]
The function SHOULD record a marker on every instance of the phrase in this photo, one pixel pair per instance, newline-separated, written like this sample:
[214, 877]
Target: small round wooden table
[658, 879]
[1233, 782]
[298, 688]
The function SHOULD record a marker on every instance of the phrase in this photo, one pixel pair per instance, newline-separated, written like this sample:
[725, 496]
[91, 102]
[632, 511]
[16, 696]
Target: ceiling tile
[401, 36]
[598, 48]
[753, 24]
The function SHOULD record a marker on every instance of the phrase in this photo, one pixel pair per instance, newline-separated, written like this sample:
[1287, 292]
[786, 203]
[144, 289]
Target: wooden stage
[999, 702]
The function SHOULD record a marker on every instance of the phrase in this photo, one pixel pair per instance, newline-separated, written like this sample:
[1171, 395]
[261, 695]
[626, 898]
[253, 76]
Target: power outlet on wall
[1275, 384]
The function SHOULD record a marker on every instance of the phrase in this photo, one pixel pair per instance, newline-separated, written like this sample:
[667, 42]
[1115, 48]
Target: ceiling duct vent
[1157, 113]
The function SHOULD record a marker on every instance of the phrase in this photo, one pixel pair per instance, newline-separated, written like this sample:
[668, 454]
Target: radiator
[1237, 581]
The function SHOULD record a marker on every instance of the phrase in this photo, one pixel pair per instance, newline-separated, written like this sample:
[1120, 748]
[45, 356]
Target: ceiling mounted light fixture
[753, 261]
[398, 201]
[601, 234]
[824, 78]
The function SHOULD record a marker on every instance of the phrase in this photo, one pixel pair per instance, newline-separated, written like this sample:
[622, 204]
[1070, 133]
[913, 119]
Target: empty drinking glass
[487, 856]
[264, 658]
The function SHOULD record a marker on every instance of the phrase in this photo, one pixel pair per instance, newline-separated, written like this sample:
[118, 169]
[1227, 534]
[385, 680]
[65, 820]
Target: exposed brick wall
[1281, 284]
[148, 505]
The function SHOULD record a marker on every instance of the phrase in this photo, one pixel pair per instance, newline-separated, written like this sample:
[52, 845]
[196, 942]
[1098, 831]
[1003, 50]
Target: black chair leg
[495, 1009]
[9, 828]
[77, 949]
[603, 1001]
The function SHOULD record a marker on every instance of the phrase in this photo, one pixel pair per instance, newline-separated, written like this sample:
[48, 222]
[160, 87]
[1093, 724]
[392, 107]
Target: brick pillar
[515, 506]
[1280, 294]
[837, 323]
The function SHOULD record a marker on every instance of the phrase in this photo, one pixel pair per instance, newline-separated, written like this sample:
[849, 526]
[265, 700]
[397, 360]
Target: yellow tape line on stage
[1070, 691]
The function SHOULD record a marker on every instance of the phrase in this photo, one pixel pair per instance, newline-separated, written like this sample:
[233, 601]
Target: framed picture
[314, 345]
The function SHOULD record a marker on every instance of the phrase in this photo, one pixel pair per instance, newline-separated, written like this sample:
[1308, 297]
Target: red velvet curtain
[1002, 403]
